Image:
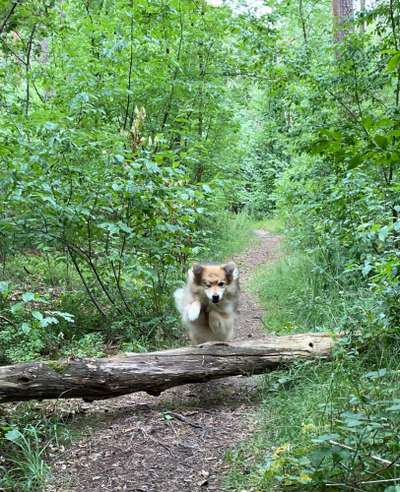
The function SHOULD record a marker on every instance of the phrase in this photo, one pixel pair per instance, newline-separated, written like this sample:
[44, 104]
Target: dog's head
[214, 280]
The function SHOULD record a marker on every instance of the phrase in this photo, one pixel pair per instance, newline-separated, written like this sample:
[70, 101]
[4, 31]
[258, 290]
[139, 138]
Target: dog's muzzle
[215, 299]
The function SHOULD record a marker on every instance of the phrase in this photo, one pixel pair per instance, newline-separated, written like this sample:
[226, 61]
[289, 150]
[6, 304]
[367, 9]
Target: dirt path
[175, 442]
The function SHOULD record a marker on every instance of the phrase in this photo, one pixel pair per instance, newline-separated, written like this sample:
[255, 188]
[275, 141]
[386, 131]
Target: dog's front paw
[193, 311]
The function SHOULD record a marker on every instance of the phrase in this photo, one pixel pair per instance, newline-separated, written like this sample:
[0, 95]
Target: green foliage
[323, 422]
[229, 235]
[28, 458]
[300, 295]
[28, 325]
[26, 438]
[117, 141]
[338, 186]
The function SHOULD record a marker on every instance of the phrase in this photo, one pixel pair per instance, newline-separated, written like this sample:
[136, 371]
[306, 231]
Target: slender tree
[342, 10]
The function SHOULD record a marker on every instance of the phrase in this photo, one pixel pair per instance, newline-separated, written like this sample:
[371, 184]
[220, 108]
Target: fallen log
[97, 379]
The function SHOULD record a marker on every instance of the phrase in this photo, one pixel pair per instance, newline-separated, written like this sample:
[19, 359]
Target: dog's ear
[231, 271]
[197, 270]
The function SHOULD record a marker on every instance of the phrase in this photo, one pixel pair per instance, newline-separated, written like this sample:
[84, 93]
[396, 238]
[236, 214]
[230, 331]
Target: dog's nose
[215, 298]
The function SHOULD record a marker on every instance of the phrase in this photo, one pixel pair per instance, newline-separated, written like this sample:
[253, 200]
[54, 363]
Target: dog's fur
[209, 301]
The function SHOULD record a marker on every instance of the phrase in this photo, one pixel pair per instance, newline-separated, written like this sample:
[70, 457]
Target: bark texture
[342, 11]
[97, 379]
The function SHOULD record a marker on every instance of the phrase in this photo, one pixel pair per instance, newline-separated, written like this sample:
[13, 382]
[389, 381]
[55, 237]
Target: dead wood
[97, 379]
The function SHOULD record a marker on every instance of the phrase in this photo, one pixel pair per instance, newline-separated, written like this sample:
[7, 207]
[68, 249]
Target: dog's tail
[178, 296]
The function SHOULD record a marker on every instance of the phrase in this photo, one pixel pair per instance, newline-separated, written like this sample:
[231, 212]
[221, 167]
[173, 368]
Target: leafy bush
[113, 150]
[29, 327]
[323, 422]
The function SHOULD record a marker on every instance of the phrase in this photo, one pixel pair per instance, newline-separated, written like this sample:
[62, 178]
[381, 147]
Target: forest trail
[175, 442]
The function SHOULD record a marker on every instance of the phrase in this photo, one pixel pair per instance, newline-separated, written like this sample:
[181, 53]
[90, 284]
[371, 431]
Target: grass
[27, 460]
[351, 399]
[297, 297]
[272, 224]
[26, 437]
[235, 232]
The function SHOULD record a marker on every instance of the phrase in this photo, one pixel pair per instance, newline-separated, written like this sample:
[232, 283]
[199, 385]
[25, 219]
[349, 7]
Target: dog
[209, 301]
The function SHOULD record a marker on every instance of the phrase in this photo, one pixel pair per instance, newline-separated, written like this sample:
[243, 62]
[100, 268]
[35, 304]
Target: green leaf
[28, 296]
[66, 316]
[13, 435]
[326, 437]
[355, 161]
[25, 328]
[4, 287]
[394, 408]
[375, 374]
[366, 269]
[37, 315]
[17, 307]
[48, 320]
[383, 233]
[393, 63]
[381, 141]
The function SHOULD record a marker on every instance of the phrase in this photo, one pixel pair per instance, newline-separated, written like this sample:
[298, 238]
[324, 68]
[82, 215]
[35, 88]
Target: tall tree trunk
[362, 9]
[342, 11]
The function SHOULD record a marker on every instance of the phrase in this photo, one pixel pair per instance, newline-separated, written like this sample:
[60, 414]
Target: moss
[59, 367]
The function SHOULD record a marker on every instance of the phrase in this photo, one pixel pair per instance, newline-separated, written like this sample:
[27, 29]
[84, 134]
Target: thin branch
[38, 93]
[374, 457]
[303, 22]
[27, 67]
[182, 418]
[7, 17]
[121, 293]
[76, 265]
[92, 266]
[6, 320]
[396, 45]
[128, 102]
[365, 482]
[7, 46]
[175, 75]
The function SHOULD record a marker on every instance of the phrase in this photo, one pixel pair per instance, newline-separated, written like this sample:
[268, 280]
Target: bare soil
[175, 442]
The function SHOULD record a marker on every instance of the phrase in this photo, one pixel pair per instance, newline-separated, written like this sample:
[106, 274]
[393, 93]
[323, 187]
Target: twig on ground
[180, 417]
[157, 442]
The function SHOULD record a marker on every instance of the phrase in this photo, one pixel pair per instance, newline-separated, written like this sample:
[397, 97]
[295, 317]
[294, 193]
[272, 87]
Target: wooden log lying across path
[153, 372]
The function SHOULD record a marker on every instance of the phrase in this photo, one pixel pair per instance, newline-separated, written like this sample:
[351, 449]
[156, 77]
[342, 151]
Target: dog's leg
[192, 311]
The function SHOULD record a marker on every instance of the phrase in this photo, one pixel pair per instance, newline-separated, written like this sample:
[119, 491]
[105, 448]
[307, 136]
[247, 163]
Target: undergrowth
[233, 233]
[30, 433]
[323, 425]
[298, 295]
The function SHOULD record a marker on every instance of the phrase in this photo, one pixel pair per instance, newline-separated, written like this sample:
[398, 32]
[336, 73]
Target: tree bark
[97, 379]
[342, 11]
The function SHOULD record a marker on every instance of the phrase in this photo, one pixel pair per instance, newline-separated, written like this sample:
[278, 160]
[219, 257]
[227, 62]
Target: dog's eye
[207, 285]
[221, 284]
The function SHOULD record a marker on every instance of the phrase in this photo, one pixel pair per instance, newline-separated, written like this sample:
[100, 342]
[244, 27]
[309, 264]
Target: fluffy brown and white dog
[209, 301]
